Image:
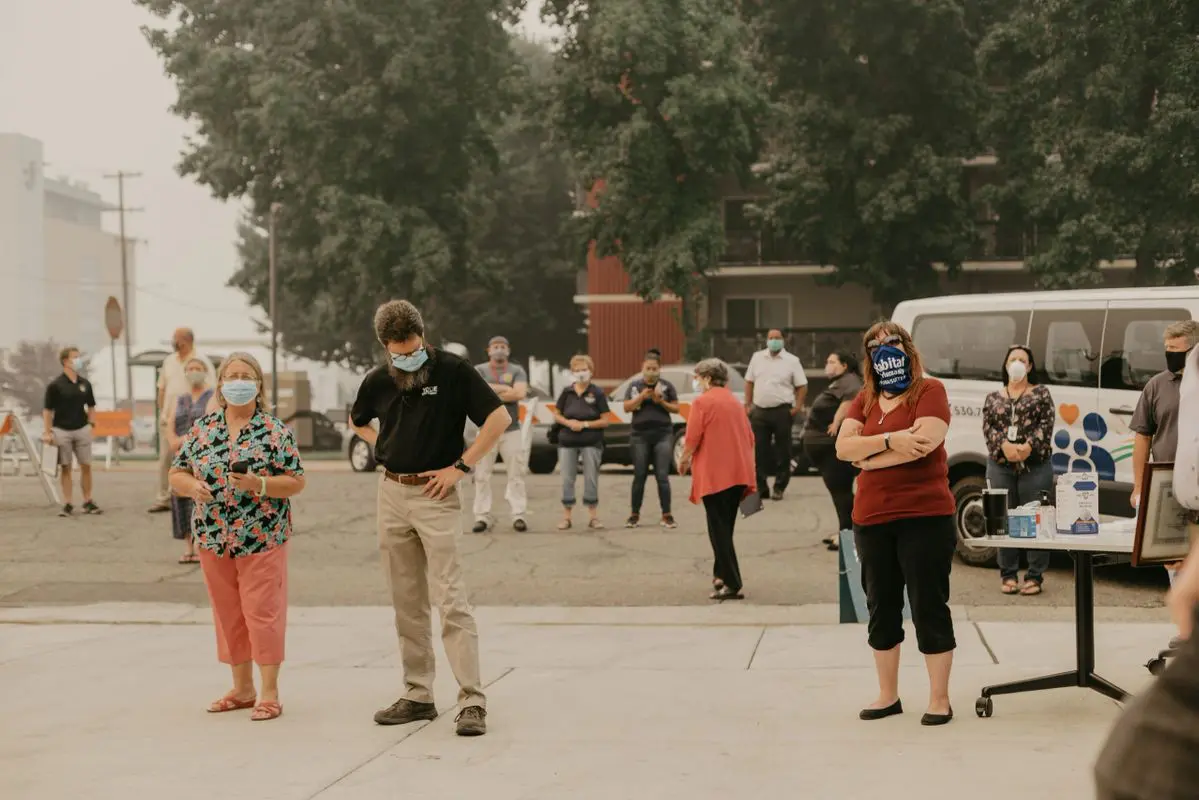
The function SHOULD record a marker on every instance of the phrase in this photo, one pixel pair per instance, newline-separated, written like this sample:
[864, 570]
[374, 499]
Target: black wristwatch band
[461, 466]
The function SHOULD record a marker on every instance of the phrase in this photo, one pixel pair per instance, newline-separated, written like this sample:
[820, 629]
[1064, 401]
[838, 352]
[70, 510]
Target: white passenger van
[1095, 349]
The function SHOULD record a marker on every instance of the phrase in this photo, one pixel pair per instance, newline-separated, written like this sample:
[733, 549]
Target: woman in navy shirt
[582, 412]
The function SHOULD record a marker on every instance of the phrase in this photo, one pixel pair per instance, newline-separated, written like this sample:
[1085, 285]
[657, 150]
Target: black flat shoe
[881, 713]
[936, 719]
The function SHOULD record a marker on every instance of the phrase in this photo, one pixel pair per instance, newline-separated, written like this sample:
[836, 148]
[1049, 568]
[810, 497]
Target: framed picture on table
[1163, 529]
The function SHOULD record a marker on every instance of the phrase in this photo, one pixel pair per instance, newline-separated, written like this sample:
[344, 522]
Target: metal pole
[271, 311]
[125, 291]
[113, 352]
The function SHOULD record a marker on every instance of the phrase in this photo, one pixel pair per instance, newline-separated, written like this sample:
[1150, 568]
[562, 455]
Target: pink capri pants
[249, 604]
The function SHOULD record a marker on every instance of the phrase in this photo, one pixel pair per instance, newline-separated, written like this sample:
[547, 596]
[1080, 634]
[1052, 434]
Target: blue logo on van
[1084, 454]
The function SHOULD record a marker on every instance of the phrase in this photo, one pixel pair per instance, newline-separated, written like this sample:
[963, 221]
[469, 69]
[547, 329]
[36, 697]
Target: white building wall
[22, 277]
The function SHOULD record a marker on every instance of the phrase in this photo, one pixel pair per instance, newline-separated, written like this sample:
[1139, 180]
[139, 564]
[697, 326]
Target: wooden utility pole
[121, 210]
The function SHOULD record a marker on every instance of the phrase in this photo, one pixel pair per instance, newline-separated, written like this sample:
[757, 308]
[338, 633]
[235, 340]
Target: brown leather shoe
[403, 711]
[472, 721]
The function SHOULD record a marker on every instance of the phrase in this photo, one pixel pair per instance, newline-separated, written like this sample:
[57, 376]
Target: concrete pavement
[107, 701]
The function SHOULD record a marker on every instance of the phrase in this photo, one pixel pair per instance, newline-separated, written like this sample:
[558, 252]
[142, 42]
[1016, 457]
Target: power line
[121, 210]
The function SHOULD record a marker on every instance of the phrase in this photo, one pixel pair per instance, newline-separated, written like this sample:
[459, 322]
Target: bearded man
[422, 398]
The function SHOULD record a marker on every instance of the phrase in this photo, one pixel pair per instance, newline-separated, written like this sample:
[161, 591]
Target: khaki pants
[165, 457]
[418, 540]
[511, 447]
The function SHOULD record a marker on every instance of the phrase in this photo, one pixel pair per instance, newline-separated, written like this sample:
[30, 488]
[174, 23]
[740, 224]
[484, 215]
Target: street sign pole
[114, 320]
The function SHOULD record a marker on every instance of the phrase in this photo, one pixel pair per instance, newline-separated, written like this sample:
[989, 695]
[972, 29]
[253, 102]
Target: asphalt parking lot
[128, 555]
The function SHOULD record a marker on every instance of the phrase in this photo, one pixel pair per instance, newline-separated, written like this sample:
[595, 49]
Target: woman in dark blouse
[188, 410]
[1018, 426]
[582, 413]
[820, 436]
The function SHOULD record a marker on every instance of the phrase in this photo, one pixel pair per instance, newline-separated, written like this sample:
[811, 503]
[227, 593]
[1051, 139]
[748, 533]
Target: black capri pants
[916, 553]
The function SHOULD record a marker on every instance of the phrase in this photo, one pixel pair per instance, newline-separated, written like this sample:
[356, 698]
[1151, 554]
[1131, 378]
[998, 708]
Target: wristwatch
[886, 441]
[586, 424]
[461, 466]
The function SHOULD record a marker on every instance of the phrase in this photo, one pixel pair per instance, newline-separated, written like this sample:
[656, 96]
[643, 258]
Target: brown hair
[65, 353]
[870, 391]
[583, 358]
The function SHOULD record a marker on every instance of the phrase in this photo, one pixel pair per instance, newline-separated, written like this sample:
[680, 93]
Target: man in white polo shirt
[172, 382]
[775, 387]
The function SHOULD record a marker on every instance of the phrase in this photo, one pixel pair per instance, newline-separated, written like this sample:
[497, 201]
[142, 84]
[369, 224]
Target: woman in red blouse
[903, 515]
[719, 451]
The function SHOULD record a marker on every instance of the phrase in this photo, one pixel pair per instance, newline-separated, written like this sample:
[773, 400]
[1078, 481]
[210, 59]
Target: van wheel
[362, 459]
[970, 522]
[680, 436]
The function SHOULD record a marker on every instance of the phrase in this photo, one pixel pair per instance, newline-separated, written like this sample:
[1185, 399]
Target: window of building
[746, 314]
[968, 346]
[1133, 346]
[1066, 344]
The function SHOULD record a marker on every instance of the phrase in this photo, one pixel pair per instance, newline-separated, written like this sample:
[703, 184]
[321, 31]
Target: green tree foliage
[25, 370]
[659, 100]
[374, 125]
[876, 104]
[1095, 119]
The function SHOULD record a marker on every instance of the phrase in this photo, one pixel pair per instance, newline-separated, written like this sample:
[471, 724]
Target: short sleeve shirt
[824, 407]
[509, 376]
[68, 400]
[918, 488]
[1156, 415]
[775, 378]
[420, 428]
[651, 415]
[236, 522]
[589, 406]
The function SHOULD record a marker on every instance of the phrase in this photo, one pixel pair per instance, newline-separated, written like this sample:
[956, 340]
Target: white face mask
[1017, 371]
[582, 376]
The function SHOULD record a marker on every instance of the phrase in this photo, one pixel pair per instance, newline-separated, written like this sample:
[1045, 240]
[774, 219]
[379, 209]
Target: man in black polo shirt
[68, 413]
[422, 398]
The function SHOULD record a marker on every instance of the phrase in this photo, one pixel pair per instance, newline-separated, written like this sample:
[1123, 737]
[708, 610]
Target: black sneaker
[403, 711]
[668, 522]
[520, 526]
[67, 510]
[480, 527]
[472, 721]
[777, 494]
[90, 507]
[633, 521]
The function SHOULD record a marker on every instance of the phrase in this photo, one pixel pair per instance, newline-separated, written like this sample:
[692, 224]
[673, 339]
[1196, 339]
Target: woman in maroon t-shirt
[903, 514]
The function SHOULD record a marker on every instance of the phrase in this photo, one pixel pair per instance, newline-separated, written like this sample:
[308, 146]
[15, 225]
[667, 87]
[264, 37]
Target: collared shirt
[420, 429]
[587, 406]
[69, 400]
[651, 415]
[236, 522]
[1157, 415]
[172, 380]
[509, 375]
[775, 378]
[1186, 460]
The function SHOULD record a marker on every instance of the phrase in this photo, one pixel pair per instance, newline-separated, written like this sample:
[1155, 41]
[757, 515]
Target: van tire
[968, 521]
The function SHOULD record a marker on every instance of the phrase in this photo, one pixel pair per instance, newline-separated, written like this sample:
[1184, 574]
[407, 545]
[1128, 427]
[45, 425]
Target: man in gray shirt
[1155, 421]
[511, 383]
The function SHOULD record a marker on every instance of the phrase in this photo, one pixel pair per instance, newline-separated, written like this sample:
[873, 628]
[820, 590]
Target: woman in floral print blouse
[1018, 426]
[242, 522]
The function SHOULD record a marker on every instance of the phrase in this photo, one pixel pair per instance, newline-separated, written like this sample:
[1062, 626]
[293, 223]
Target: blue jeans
[656, 447]
[568, 462]
[1023, 487]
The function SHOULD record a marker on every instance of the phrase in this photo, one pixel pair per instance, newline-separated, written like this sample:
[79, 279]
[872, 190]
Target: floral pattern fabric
[236, 522]
[1033, 415]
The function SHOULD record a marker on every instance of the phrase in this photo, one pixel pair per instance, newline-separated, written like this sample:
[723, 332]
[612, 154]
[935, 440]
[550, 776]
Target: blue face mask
[411, 362]
[775, 345]
[892, 368]
[239, 393]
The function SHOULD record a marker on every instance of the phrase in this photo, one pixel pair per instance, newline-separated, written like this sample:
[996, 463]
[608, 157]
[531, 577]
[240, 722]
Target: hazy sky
[79, 76]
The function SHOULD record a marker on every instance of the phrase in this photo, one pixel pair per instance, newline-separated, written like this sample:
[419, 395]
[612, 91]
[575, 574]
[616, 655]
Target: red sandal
[266, 710]
[231, 703]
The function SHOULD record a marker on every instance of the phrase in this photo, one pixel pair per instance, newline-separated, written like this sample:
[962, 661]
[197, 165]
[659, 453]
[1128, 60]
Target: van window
[1133, 348]
[969, 346]
[1066, 344]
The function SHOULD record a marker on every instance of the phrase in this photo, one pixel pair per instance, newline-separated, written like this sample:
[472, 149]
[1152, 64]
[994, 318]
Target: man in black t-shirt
[422, 399]
[68, 413]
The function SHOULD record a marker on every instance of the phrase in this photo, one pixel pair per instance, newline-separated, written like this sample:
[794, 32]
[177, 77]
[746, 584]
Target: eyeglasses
[892, 339]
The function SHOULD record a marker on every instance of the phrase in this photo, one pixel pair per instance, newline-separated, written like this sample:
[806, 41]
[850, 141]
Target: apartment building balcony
[811, 345]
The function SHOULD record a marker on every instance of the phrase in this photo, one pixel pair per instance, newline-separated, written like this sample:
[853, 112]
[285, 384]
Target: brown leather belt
[406, 480]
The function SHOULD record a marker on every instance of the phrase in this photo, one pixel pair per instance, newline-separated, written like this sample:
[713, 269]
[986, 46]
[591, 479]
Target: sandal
[1010, 586]
[189, 558]
[1030, 588]
[595, 524]
[564, 525]
[230, 703]
[725, 593]
[266, 710]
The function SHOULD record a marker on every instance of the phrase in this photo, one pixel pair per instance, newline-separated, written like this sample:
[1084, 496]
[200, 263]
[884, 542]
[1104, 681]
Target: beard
[407, 381]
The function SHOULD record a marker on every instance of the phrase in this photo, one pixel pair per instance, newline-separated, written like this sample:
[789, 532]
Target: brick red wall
[619, 334]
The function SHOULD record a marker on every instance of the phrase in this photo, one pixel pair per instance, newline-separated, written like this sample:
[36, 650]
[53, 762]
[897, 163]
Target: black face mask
[1176, 361]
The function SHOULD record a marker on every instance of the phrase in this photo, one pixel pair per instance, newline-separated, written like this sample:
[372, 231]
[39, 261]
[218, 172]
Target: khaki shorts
[74, 443]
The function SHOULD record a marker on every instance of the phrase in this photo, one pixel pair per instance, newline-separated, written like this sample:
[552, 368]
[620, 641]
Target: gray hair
[254, 366]
[398, 321]
[1187, 329]
[714, 370]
